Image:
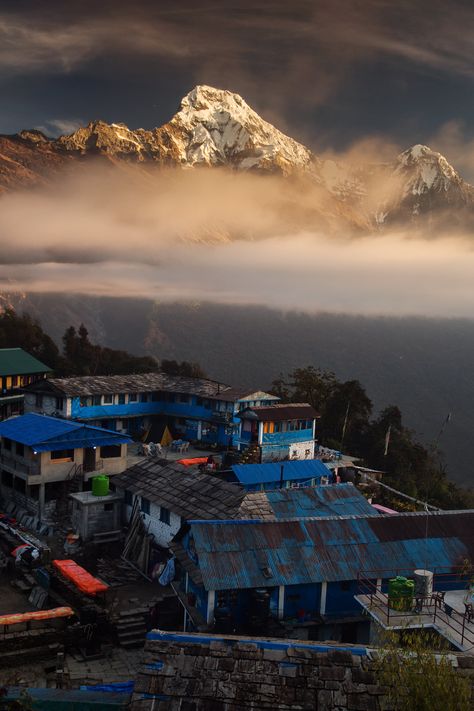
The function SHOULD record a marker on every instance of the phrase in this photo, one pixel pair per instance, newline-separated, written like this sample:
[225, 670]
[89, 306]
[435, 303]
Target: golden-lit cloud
[225, 237]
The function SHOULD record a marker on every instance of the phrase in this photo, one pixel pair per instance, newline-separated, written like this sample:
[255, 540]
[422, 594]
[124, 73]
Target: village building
[279, 475]
[279, 431]
[42, 456]
[305, 573]
[193, 408]
[170, 494]
[17, 369]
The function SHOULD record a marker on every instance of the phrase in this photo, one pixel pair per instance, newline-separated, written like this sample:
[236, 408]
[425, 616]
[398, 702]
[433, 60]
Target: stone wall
[196, 673]
[189, 672]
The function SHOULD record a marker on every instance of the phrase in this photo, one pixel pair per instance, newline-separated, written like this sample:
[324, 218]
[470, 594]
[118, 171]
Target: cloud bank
[225, 237]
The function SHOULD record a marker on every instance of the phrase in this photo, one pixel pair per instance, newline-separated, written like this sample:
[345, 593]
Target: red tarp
[17, 617]
[193, 462]
[80, 577]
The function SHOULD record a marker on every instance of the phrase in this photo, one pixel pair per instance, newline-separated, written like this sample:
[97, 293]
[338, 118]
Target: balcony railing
[420, 610]
[19, 465]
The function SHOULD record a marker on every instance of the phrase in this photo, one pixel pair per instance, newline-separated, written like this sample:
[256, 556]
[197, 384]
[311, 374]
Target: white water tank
[423, 582]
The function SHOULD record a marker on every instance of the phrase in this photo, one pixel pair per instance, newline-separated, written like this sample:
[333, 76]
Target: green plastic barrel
[100, 485]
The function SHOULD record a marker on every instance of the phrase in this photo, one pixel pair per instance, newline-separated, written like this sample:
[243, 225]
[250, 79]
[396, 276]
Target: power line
[405, 496]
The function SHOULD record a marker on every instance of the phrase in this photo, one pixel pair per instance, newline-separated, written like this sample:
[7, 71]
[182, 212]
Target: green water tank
[100, 485]
[400, 593]
[395, 587]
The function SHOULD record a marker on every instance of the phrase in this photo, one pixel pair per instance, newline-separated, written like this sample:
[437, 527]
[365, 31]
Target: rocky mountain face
[215, 127]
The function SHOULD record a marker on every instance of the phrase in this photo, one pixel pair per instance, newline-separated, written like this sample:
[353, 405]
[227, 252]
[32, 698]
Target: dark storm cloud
[305, 47]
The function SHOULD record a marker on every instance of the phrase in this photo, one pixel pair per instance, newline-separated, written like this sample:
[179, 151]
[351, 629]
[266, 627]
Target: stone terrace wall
[192, 672]
[204, 673]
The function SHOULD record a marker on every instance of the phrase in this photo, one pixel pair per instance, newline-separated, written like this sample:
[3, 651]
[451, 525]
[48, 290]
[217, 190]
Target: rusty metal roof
[235, 554]
[319, 501]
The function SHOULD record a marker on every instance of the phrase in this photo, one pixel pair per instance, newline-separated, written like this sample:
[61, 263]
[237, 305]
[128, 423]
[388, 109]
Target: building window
[108, 507]
[20, 450]
[133, 397]
[38, 400]
[121, 399]
[7, 443]
[59, 403]
[110, 451]
[108, 399]
[128, 497]
[15, 381]
[199, 401]
[164, 515]
[97, 400]
[144, 397]
[62, 455]
[145, 506]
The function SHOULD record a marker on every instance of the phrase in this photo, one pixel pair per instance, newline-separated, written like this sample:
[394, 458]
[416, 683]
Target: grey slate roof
[184, 491]
[145, 382]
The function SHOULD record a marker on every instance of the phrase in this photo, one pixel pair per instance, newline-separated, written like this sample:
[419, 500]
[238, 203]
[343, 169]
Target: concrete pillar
[324, 590]
[41, 500]
[281, 601]
[260, 433]
[211, 601]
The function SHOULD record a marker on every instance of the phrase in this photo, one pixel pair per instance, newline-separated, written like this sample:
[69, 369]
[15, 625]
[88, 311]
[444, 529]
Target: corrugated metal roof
[234, 555]
[16, 361]
[186, 492]
[331, 500]
[41, 432]
[281, 411]
[320, 501]
[299, 470]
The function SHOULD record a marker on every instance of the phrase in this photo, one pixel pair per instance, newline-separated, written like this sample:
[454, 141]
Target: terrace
[446, 608]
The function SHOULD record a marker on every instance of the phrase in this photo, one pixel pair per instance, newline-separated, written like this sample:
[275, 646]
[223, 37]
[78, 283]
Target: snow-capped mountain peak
[216, 126]
[426, 170]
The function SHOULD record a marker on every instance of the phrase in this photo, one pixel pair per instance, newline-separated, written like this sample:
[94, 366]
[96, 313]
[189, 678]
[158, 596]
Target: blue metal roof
[292, 471]
[46, 434]
[319, 501]
[234, 555]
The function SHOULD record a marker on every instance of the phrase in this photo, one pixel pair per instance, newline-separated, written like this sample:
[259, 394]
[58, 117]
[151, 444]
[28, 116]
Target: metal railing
[395, 611]
[12, 462]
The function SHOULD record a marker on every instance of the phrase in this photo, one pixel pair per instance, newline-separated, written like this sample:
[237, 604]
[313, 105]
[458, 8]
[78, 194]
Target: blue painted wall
[299, 598]
[201, 597]
[340, 599]
[287, 438]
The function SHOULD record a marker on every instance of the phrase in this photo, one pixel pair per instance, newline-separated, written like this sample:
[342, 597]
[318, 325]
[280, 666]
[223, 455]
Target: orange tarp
[80, 577]
[193, 462]
[18, 617]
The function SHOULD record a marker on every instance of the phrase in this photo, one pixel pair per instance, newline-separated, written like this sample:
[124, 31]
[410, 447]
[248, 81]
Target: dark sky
[328, 72]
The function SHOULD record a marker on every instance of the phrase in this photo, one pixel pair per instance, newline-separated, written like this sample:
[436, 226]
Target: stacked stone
[234, 674]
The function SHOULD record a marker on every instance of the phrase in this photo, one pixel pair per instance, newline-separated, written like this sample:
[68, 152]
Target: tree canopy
[382, 442]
